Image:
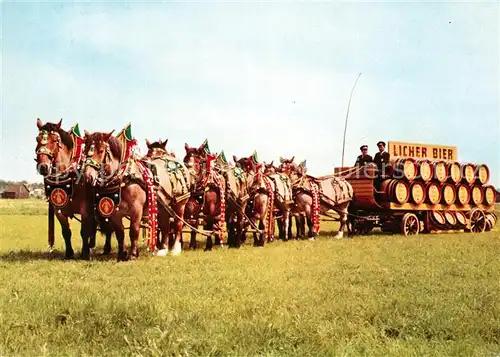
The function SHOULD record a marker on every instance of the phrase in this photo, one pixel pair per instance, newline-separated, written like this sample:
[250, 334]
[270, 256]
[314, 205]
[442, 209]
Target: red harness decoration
[315, 205]
[79, 152]
[270, 202]
[128, 148]
[212, 176]
[152, 204]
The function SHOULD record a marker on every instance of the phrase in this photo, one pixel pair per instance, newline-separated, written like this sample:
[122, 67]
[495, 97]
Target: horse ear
[59, 124]
[86, 134]
[235, 158]
[291, 160]
[107, 136]
[39, 123]
[164, 144]
[271, 164]
[148, 143]
[186, 146]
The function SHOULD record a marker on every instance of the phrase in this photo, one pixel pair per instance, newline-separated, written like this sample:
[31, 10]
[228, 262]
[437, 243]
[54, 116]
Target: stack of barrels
[423, 181]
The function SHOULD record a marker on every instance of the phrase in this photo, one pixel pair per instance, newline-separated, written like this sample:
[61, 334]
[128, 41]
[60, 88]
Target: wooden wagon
[424, 189]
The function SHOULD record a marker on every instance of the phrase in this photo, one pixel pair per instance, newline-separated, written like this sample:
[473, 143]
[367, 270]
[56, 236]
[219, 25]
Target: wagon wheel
[410, 225]
[491, 220]
[477, 221]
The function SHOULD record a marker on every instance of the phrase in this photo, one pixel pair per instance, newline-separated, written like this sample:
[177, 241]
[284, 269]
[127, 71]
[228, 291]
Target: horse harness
[60, 186]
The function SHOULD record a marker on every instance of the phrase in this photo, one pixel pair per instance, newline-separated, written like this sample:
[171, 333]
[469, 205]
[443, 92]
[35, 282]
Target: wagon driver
[382, 158]
[364, 158]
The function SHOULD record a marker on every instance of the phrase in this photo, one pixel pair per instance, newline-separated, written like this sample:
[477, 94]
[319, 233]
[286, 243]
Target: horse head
[270, 168]
[157, 149]
[53, 147]
[287, 165]
[102, 156]
[195, 156]
[247, 164]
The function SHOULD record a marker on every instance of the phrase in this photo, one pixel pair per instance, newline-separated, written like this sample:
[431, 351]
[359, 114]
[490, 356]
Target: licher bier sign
[422, 151]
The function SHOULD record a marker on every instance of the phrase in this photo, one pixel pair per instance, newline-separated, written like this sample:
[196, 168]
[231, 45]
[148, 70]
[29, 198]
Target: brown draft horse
[174, 179]
[121, 179]
[57, 162]
[335, 194]
[283, 199]
[103, 172]
[298, 212]
[205, 195]
[236, 198]
[260, 197]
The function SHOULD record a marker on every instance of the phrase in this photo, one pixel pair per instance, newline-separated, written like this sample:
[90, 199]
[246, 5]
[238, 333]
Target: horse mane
[65, 136]
[115, 146]
[156, 145]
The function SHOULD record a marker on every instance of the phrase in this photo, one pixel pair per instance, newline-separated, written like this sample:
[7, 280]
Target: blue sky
[271, 77]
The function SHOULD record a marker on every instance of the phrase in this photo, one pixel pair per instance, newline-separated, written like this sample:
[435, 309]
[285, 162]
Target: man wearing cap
[364, 158]
[382, 158]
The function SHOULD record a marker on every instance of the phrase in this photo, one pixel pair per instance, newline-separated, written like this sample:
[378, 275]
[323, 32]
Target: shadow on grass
[373, 233]
[37, 255]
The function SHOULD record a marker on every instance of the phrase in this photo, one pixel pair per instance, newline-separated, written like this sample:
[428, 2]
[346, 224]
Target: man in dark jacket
[382, 158]
[364, 158]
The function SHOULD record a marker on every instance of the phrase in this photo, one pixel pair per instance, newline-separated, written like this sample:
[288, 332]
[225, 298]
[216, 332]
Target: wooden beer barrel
[468, 173]
[476, 194]
[395, 191]
[425, 170]
[418, 192]
[440, 171]
[490, 195]
[454, 173]
[437, 217]
[482, 174]
[433, 193]
[405, 167]
[448, 194]
[463, 195]
[451, 219]
[461, 218]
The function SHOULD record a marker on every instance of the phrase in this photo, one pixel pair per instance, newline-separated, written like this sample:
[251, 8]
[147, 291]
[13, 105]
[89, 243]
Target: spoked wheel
[410, 225]
[491, 220]
[477, 221]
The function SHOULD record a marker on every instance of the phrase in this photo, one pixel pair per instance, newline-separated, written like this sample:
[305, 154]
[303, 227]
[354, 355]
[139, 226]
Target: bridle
[89, 161]
[44, 150]
[156, 153]
[198, 161]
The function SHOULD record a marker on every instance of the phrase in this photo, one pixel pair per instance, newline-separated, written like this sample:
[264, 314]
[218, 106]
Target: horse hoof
[122, 257]
[312, 238]
[177, 249]
[162, 253]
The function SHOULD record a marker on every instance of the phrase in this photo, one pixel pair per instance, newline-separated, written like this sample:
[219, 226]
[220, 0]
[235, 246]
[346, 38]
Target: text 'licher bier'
[422, 151]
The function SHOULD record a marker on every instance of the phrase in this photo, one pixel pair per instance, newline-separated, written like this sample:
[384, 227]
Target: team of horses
[102, 178]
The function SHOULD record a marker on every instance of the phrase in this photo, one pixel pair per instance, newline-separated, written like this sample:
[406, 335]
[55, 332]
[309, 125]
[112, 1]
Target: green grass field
[378, 295]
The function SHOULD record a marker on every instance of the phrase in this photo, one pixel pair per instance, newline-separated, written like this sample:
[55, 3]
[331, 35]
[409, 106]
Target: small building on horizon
[17, 190]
